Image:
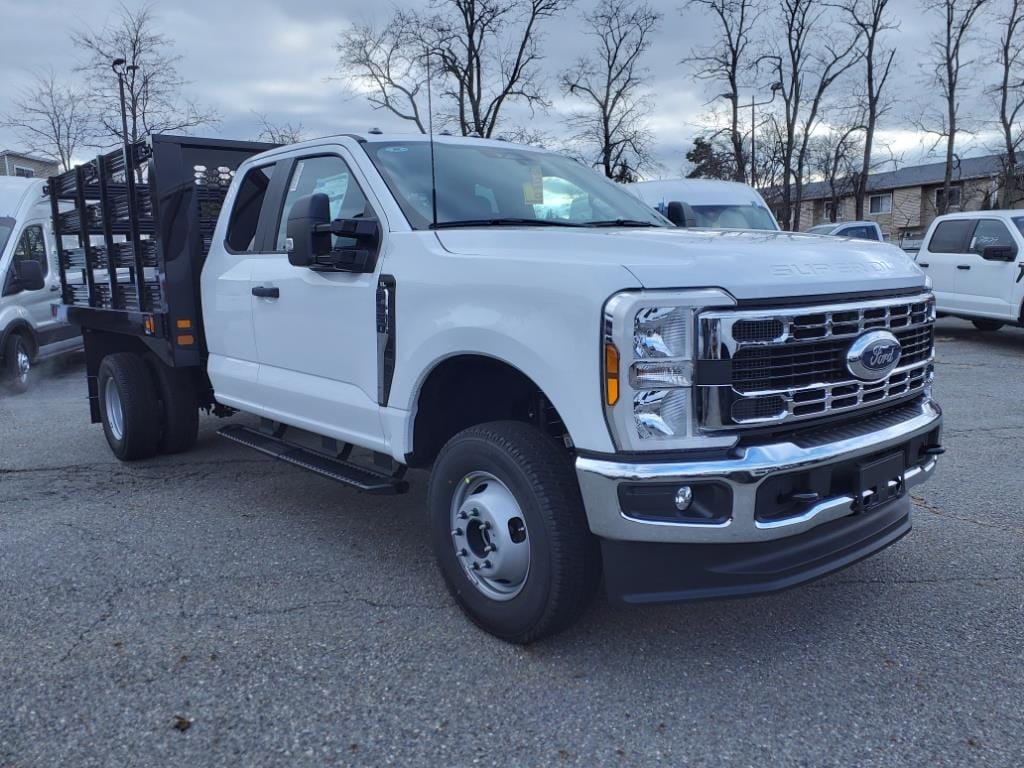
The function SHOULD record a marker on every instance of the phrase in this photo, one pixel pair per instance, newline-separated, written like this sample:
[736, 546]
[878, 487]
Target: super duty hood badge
[874, 355]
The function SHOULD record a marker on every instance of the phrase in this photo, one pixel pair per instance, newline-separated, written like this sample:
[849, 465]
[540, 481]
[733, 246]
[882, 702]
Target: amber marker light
[611, 374]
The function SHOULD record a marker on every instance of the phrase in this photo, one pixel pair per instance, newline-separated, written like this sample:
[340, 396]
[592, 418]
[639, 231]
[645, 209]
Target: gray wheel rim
[115, 412]
[490, 537]
[24, 364]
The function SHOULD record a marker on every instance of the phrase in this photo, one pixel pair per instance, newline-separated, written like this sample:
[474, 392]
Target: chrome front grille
[780, 365]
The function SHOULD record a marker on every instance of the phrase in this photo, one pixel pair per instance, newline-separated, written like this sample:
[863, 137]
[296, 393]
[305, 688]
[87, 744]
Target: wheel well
[24, 330]
[472, 389]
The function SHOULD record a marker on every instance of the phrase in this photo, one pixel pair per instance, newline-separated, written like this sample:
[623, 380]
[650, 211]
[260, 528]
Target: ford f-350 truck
[692, 414]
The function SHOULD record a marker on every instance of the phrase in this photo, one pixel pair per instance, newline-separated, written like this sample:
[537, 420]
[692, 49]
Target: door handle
[923, 264]
[265, 292]
[963, 266]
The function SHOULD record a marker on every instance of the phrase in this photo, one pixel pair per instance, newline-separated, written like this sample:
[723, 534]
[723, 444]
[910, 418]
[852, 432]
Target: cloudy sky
[277, 58]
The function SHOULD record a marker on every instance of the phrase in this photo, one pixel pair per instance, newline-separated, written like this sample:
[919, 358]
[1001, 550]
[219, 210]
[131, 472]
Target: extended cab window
[329, 175]
[951, 236]
[990, 232]
[245, 216]
[32, 247]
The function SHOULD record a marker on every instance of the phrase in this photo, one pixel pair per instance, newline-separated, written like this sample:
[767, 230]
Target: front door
[939, 257]
[32, 246]
[316, 334]
[986, 286]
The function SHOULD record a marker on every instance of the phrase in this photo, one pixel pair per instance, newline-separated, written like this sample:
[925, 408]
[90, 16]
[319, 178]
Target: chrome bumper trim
[599, 480]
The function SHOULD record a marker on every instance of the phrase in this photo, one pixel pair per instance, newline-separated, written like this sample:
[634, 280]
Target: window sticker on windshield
[297, 176]
[533, 190]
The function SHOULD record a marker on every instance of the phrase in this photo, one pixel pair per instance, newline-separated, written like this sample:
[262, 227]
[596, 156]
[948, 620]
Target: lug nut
[463, 553]
[487, 563]
[463, 516]
[490, 548]
[475, 513]
[476, 566]
[457, 532]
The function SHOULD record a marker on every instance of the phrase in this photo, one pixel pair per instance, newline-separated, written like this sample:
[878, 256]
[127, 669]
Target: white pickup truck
[693, 414]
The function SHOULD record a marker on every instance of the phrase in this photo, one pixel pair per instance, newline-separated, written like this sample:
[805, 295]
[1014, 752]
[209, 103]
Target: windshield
[479, 184]
[6, 227]
[734, 217]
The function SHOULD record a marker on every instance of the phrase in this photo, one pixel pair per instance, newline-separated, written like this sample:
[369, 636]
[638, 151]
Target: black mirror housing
[999, 253]
[680, 214]
[306, 238]
[30, 275]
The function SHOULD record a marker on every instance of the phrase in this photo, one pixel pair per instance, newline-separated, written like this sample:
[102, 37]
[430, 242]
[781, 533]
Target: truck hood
[749, 265]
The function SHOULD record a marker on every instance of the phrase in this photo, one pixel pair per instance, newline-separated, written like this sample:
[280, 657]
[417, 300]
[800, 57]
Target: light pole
[732, 96]
[118, 65]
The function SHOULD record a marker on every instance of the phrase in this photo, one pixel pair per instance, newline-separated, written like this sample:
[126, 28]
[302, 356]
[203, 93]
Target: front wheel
[509, 531]
[987, 325]
[17, 369]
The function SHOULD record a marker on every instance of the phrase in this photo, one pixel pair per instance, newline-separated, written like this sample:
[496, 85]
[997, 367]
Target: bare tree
[389, 64]
[610, 82]
[488, 51]
[153, 86]
[810, 58]
[836, 157]
[870, 20]
[726, 60]
[1009, 93]
[950, 68]
[51, 118]
[278, 133]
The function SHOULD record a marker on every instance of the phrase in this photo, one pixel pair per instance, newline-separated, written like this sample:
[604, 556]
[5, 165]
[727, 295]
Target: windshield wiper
[621, 223]
[504, 221]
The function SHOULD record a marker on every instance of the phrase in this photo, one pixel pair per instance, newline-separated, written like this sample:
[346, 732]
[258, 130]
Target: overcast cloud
[277, 58]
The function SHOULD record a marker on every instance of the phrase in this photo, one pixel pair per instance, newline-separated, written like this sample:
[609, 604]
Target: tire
[987, 325]
[129, 407]
[516, 461]
[179, 412]
[17, 368]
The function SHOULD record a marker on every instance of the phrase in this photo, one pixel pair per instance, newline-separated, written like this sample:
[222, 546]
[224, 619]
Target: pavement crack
[927, 506]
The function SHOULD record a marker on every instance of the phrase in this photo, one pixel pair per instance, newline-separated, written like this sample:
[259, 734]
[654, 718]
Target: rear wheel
[179, 412]
[129, 407]
[509, 531]
[987, 325]
[17, 370]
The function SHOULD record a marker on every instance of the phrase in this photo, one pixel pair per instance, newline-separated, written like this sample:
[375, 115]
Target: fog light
[684, 498]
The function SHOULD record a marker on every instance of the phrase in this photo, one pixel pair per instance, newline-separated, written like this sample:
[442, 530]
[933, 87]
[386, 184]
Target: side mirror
[30, 275]
[305, 239]
[681, 214]
[999, 252]
[310, 233]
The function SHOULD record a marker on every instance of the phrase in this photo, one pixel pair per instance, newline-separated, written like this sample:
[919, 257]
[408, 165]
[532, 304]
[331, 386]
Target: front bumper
[659, 559]
[758, 467]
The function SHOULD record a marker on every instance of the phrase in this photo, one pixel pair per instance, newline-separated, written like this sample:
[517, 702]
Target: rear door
[942, 251]
[316, 336]
[986, 286]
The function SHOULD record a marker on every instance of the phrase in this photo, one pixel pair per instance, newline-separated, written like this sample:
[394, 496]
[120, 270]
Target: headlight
[649, 348]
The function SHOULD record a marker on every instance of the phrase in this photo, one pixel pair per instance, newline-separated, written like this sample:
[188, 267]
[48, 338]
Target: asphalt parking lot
[218, 608]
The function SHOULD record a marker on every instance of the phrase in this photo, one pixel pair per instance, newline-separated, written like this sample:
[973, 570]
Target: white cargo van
[976, 262]
[29, 328]
[714, 204]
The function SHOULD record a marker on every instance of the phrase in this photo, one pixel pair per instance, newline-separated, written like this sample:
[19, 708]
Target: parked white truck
[695, 414]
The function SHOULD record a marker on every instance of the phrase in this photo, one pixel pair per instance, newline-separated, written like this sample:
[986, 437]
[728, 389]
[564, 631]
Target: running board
[362, 478]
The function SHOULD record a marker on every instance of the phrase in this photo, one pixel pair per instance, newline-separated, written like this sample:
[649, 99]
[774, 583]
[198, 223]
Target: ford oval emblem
[874, 355]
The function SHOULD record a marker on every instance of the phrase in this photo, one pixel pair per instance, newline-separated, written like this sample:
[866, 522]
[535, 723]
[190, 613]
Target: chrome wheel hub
[489, 536]
[115, 412]
[24, 364]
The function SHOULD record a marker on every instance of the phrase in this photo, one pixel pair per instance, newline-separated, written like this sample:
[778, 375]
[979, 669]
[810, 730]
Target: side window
[32, 247]
[951, 236]
[245, 216]
[330, 175]
[990, 232]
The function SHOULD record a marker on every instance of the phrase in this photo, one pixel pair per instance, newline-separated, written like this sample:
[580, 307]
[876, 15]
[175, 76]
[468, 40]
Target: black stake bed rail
[132, 247]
